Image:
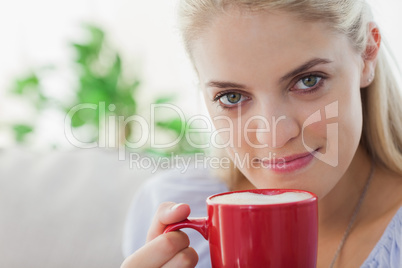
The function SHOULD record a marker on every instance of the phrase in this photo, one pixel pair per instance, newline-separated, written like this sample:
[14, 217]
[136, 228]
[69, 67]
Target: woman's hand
[165, 250]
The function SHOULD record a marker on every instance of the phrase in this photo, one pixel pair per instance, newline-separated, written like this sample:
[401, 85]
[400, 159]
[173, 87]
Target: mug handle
[198, 224]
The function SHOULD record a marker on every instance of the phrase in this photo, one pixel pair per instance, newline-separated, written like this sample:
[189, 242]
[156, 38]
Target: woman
[311, 104]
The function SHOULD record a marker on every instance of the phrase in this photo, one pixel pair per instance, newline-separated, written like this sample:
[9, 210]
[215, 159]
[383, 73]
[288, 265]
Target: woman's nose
[275, 128]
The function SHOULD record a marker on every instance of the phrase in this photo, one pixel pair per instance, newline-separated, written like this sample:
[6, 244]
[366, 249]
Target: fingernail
[176, 206]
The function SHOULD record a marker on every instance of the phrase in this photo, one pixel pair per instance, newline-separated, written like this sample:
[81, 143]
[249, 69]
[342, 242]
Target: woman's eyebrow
[304, 67]
[224, 84]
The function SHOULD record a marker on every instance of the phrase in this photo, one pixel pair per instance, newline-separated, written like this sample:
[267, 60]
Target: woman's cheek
[315, 135]
[224, 134]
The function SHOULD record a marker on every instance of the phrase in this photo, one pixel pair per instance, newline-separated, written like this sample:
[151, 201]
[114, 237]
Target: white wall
[36, 32]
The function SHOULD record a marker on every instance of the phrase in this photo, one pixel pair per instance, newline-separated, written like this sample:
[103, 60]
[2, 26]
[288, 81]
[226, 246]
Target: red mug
[259, 235]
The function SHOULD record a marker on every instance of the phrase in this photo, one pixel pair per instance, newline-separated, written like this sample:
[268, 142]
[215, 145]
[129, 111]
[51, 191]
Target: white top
[194, 187]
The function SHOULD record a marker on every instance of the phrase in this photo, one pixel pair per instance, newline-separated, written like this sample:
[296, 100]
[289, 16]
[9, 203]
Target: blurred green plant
[27, 87]
[101, 79]
[102, 82]
[176, 127]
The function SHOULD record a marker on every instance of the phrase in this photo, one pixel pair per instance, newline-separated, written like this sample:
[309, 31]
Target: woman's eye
[308, 82]
[232, 98]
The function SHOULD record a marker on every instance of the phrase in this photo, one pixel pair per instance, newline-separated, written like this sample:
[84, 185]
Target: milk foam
[247, 198]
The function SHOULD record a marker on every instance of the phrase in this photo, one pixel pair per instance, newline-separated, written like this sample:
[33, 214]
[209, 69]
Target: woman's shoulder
[191, 186]
[173, 183]
[387, 252]
[387, 194]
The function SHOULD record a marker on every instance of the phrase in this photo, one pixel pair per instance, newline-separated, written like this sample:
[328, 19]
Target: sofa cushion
[64, 208]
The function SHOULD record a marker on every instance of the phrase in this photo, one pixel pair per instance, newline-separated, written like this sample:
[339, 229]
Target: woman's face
[284, 95]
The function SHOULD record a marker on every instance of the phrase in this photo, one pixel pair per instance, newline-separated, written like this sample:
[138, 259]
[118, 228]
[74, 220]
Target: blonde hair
[381, 101]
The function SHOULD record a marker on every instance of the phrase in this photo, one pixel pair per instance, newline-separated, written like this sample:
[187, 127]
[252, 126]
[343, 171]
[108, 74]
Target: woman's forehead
[264, 42]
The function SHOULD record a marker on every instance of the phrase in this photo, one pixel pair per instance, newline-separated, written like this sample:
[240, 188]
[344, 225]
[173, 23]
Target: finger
[167, 213]
[187, 258]
[158, 251]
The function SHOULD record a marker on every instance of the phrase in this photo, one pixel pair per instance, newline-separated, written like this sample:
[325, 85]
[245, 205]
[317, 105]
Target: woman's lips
[288, 163]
